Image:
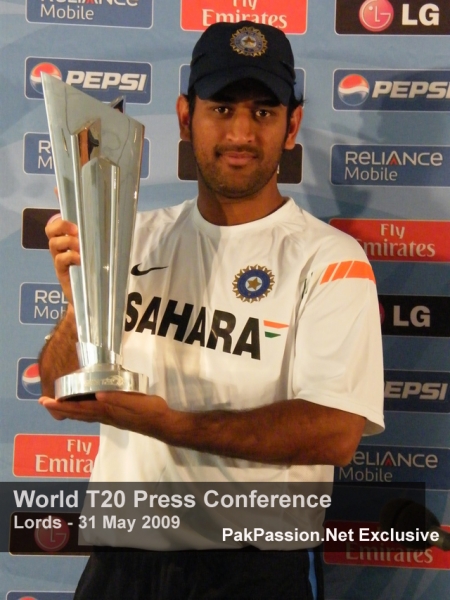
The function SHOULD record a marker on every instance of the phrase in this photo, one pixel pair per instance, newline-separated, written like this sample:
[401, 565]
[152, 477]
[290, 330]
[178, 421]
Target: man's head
[240, 113]
[230, 52]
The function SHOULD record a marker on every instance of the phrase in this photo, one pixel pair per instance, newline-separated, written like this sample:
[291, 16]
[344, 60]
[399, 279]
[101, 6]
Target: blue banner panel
[38, 157]
[384, 17]
[417, 391]
[386, 90]
[390, 165]
[102, 79]
[111, 13]
[41, 303]
[423, 316]
[398, 464]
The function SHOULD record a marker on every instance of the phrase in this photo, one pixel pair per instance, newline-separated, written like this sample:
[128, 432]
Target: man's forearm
[287, 432]
[59, 357]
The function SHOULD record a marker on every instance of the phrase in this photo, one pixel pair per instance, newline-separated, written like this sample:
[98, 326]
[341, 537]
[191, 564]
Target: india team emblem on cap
[248, 41]
[253, 283]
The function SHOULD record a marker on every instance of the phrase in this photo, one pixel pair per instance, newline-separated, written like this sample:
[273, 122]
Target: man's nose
[241, 127]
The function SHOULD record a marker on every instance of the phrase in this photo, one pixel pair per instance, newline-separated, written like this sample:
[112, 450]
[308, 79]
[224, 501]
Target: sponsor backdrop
[373, 157]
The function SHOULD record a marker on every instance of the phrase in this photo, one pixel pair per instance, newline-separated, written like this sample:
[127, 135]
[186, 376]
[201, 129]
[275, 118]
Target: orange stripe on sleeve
[361, 270]
[342, 270]
[348, 269]
[328, 273]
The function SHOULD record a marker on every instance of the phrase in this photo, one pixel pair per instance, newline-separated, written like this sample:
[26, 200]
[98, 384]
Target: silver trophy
[97, 154]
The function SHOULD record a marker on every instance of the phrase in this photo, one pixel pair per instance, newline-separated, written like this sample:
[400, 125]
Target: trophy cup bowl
[97, 153]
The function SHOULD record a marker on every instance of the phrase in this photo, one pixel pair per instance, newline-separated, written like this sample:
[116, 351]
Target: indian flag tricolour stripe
[272, 327]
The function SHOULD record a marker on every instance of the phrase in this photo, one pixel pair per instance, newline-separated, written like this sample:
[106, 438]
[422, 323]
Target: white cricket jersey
[239, 317]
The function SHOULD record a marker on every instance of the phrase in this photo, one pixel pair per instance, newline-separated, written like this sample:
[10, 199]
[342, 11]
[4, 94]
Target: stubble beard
[227, 184]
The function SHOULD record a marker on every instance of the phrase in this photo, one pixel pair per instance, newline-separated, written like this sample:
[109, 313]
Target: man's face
[238, 137]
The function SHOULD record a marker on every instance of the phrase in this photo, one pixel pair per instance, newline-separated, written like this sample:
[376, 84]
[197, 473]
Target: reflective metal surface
[97, 154]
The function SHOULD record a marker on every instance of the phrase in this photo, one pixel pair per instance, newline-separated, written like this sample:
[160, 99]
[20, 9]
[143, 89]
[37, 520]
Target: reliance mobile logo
[102, 79]
[374, 164]
[109, 13]
[398, 464]
[41, 303]
[38, 157]
[376, 15]
[392, 90]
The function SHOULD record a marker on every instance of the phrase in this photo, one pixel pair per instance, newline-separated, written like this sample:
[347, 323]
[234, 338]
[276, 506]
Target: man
[256, 323]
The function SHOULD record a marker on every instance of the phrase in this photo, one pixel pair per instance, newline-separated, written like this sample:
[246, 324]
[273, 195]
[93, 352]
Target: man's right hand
[65, 250]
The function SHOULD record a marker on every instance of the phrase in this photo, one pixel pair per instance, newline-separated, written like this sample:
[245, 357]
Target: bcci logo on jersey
[110, 13]
[102, 79]
[398, 464]
[391, 90]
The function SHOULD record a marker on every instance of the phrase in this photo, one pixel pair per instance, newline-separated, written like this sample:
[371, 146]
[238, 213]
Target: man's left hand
[135, 412]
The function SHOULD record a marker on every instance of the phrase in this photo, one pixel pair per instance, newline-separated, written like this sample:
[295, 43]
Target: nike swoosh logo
[135, 270]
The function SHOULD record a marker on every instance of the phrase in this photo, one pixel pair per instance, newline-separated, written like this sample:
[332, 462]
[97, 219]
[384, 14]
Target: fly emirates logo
[290, 17]
[191, 325]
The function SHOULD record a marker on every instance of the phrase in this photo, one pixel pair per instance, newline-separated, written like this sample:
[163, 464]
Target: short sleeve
[338, 349]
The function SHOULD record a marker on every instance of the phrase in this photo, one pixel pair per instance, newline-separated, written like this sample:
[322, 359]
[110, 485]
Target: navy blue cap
[230, 52]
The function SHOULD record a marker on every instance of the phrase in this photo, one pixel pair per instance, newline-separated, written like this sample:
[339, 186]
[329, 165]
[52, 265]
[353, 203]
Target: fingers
[86, 410]
[65, 249]
[57, 227]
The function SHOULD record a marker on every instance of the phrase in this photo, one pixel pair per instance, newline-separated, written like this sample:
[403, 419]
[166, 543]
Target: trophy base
[86, 382]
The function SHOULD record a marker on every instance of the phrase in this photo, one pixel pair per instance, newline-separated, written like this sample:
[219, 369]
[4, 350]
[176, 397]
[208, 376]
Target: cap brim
[208, 86]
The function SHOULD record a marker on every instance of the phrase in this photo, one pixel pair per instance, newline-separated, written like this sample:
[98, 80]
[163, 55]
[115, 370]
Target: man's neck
[223, 211]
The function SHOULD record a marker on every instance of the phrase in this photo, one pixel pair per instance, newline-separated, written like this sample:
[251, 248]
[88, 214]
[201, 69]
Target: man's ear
[184, 118]
[293, 127]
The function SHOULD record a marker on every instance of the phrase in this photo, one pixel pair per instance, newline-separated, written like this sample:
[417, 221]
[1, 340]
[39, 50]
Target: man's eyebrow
[262, 101]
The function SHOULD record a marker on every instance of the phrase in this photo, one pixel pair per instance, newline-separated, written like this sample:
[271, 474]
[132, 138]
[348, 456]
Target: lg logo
[428, 15]
[418, 317]
[378, 15]
[422, 316]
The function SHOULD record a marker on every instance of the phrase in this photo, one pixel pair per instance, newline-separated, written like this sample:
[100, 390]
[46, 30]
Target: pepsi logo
[353, 90]
[31, 380]
[36, 75]
[376, 15]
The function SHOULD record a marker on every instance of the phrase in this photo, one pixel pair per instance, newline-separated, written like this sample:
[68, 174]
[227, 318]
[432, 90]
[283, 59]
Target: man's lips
[236, 157]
